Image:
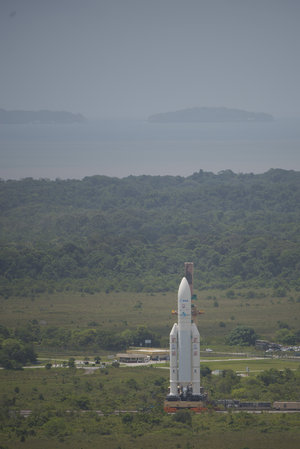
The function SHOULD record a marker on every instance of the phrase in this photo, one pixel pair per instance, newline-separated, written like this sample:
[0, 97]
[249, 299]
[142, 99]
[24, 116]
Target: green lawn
[119, 311]
[253, 365]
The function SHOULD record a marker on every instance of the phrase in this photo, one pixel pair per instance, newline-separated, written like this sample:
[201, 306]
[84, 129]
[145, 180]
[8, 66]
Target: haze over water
[130, 59]
[135, 147]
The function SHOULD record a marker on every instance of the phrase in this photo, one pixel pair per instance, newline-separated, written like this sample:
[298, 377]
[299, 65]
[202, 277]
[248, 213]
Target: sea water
[135, 147]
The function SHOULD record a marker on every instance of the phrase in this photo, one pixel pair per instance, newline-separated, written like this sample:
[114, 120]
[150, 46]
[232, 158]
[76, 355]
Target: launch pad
[194, 406]
[185, 400]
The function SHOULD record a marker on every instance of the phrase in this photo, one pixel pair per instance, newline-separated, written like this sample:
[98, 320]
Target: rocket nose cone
[184, 290]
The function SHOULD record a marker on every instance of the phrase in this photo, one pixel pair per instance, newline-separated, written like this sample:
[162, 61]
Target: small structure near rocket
[185, 388]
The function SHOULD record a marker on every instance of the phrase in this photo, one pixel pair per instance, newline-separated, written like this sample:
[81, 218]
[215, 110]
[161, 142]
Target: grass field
[118, 311]
[254, 366]
[88, 433]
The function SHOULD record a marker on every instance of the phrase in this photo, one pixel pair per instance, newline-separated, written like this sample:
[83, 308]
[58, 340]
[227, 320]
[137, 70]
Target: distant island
[205, 114]
[39, 117]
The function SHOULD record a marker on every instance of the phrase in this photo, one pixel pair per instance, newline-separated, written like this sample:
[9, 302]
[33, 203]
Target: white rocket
[184, 350]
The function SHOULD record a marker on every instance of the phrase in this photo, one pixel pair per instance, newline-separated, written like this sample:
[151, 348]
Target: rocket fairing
[184, 350]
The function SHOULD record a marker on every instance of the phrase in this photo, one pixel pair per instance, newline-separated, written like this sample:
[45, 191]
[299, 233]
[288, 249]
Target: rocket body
[184, 332]
[184, 348]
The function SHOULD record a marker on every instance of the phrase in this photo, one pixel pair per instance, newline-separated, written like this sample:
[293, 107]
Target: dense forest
[134, 233]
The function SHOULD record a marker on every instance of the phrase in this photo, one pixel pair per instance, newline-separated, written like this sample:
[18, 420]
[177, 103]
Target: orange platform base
[175, 406]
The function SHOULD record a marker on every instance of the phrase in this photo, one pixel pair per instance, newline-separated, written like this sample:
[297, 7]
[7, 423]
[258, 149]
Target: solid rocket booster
[184, 347]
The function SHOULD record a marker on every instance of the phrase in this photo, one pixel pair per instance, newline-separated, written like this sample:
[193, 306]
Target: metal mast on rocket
[185, 349]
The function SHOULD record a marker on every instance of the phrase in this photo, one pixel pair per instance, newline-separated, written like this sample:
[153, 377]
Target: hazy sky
[132, 58]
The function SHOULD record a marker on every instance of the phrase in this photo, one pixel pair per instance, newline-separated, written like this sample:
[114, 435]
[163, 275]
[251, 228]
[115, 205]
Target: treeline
[15, 352]
[134, 233]
[269, 385]
[17, 344]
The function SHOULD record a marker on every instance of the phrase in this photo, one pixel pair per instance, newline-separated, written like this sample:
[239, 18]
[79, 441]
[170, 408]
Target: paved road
[28, 412]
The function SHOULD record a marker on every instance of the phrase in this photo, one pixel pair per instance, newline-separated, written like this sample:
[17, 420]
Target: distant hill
[204, 114]
[39, 117]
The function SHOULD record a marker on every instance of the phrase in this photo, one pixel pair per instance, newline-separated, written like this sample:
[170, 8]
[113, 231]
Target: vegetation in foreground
[61, 399]
[63, 404]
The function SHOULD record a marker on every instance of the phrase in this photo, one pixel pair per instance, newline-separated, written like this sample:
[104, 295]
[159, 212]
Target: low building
[143, 355]
[132, 358]
[266, 345]
[153, 353]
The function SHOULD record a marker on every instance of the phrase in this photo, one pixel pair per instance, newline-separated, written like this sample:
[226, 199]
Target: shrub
[242, 335]
[183, 416]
